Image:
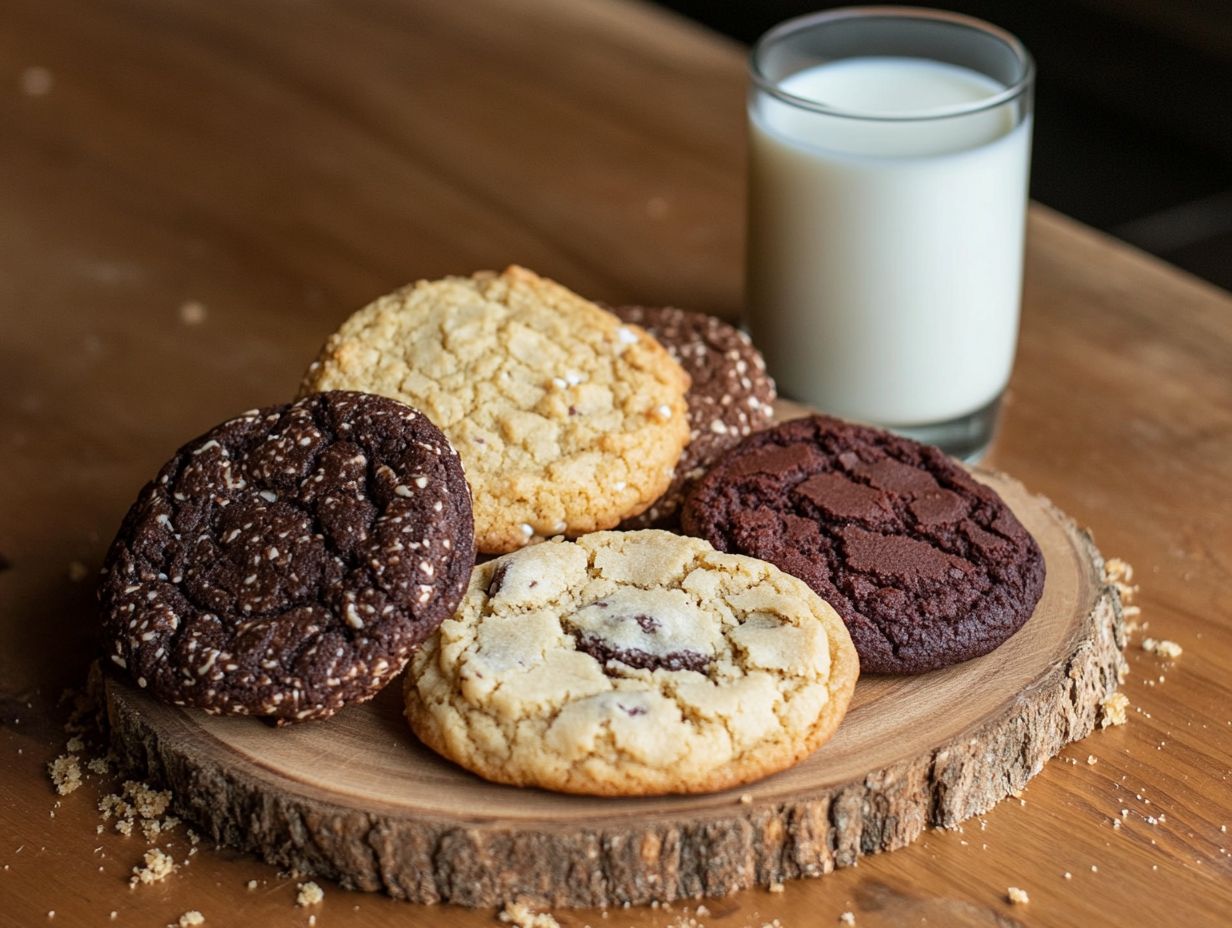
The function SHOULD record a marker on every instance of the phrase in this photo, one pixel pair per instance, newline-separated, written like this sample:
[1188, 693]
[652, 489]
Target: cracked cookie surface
[927, 566]
[567, 419]
[287, 562]
[731, 395]
[631, 663]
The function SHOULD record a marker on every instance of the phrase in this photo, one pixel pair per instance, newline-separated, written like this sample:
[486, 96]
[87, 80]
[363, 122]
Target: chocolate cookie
[731, 396]
[927, 566]
[287, 562]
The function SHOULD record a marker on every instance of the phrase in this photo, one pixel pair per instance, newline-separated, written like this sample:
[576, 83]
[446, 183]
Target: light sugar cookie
[567, 420]
[631, 663]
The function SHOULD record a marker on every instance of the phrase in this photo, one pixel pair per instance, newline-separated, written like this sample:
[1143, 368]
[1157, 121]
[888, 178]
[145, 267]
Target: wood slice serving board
[357, 799]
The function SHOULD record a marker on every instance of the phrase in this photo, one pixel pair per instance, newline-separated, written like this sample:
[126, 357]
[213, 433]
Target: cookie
[288, 561]
[731, 394]
[631, 663]
[927, 566]
[567, 420]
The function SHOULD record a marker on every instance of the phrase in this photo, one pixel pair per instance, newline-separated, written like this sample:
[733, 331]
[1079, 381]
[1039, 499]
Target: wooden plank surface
[273, 165]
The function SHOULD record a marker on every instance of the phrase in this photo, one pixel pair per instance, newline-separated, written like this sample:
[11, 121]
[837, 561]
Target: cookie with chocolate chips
[287, 562]
[631, 663]
[731, 395]
[927, 566]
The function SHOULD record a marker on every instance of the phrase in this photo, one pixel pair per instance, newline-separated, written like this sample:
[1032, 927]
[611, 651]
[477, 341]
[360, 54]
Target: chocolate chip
[603, 651]
[498, 579]
[647, 623]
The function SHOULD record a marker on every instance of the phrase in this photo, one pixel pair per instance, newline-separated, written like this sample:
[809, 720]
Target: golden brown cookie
[567, 420]
[632, 663]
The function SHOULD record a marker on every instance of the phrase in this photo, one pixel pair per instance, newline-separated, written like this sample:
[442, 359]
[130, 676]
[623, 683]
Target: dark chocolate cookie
[287, 562]
[926, 566]
[732, 395]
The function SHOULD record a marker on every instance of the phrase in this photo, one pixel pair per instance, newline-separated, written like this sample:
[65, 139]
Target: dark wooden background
[1134, 103]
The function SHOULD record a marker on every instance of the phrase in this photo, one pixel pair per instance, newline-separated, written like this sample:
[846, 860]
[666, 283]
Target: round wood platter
[357, 799]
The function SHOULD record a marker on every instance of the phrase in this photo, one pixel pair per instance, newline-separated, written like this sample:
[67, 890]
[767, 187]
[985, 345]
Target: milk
[885, 258]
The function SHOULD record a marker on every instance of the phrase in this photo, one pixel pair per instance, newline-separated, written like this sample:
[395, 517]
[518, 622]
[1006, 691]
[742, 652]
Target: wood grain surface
[192, 194]
[358, 800]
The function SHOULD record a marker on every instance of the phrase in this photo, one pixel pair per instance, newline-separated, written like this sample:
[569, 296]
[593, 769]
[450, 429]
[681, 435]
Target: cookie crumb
[251, 885]
[157, 866]
[1163, 648]
[309, 894]
[189, 919]
[520, 915]
[1092, 760]
[1120, 574]
[848, 918]
[1017, 896]
[65, 773]
[1112, 709]
[1068, 875]
[776, 888]
[140, 805]
[746, 799]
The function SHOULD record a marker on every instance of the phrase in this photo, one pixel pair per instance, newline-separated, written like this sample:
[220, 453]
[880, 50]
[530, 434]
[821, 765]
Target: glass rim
[808, 21]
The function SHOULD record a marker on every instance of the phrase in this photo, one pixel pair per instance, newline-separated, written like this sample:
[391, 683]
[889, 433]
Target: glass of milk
[888, 162]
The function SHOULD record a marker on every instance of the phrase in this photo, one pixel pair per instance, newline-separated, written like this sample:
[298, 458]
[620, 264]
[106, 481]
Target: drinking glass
[888, 164]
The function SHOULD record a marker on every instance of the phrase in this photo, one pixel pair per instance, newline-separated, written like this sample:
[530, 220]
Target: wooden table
[194, 193]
